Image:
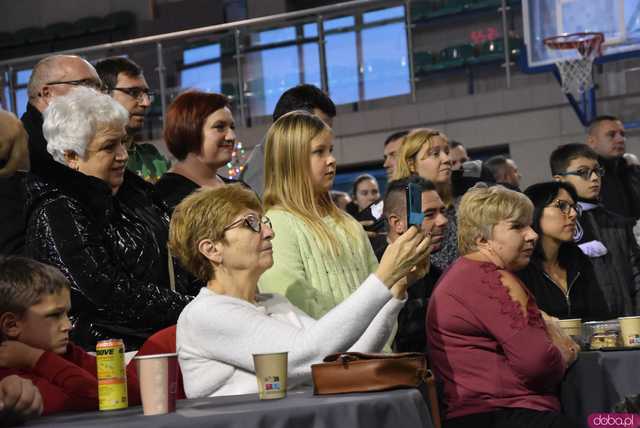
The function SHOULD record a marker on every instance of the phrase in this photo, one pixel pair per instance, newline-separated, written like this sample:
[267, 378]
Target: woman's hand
[411, 248]
[567, 347]
[17, 355]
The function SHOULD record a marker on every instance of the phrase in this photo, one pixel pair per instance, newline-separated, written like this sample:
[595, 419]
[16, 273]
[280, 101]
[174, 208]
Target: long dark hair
[542, 194]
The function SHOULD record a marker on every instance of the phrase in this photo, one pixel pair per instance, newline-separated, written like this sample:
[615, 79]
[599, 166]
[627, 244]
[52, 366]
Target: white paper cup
[271, 374]
[630, 331]
[157, 375]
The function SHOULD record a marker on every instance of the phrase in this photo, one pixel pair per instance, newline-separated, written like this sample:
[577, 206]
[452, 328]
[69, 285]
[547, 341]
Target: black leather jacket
[618, 271]
[621, 187]
[111, 257]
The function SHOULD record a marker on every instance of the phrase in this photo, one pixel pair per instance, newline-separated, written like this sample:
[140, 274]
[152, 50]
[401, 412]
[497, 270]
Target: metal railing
[317, 15]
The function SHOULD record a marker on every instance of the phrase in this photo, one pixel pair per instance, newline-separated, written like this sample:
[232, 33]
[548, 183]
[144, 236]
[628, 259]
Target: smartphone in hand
[413, 196]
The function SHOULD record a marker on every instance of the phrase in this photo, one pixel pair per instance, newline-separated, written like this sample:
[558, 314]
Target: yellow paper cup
[271, 374]
[630, 331]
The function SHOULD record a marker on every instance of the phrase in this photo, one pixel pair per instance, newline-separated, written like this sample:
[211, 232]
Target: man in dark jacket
[411, 335]
[53, 76]
[621, 184]
[604, 236]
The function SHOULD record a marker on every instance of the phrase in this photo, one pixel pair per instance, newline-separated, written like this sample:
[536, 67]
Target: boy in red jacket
[34, 338]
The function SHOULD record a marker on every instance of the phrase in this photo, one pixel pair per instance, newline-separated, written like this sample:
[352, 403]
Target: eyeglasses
[137, 93]
[585, 174]
[88, 83]
[254, 223]
[566, 207]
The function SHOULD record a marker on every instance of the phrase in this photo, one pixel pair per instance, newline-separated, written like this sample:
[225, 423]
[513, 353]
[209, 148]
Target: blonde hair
[288, 184]
[204, 215]
[482, 208]
[408, 153]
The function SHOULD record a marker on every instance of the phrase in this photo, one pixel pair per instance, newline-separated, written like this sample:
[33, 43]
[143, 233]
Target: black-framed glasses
[88, 83]
[254, 223]
[565, 207]
[585, 174]
[137, 92]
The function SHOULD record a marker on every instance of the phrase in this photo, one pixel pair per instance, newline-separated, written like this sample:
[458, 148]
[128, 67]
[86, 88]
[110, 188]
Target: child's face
[46, 324]
[586, 188]
[323, 164]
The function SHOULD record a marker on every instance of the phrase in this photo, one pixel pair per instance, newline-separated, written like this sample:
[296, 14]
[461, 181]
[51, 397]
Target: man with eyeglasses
[621, 185]
[52, 76]
[606, 237]
[124, 81]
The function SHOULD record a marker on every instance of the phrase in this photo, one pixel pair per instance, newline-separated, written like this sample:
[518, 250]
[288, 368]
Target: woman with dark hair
[200, 132]
[560, 276]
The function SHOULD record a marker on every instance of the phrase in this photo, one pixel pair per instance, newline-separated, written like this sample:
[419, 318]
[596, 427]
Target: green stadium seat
[422, 62]
[453, 56]
[31, 35]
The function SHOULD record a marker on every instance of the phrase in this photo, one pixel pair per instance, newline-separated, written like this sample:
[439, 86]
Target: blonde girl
[321, 254]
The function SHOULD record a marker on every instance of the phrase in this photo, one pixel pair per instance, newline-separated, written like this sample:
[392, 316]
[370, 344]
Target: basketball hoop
[576, 74]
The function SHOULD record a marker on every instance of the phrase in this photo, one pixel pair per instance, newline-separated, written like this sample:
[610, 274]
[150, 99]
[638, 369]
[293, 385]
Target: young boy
[34, 338]
[604, 236]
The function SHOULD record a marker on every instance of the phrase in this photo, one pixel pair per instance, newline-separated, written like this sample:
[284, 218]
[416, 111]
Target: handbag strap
[432, 394]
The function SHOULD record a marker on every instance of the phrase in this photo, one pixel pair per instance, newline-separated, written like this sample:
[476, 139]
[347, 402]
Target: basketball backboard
[618, 20]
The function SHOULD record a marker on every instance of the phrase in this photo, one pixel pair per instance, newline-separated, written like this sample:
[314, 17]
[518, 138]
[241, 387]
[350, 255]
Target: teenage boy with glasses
[606, 237]
[124, 81]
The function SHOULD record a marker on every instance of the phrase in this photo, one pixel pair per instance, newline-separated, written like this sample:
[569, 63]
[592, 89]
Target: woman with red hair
[200, 132]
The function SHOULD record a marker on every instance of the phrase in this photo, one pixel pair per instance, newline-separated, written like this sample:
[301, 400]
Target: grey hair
[72, 120]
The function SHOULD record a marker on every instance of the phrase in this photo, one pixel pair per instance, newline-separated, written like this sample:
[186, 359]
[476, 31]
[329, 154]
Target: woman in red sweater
[501, 364]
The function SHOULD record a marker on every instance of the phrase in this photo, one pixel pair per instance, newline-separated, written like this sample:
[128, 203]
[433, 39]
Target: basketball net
[576, 75]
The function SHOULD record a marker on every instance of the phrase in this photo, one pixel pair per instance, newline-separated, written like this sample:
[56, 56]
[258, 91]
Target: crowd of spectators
[102, 237]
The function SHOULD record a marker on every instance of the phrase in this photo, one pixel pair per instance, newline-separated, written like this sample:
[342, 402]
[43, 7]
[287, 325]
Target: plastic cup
[573, 328]
[271, 374]
[630, 331]
[157, 375]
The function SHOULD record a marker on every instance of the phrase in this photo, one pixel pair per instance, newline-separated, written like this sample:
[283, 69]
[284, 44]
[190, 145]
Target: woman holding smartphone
[321, 254]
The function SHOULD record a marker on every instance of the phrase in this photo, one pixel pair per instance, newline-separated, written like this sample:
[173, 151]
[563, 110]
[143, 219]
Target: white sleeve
[231, 331]
[380, 329]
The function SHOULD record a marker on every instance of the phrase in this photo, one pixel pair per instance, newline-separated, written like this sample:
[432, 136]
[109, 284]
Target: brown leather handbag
[363, 372]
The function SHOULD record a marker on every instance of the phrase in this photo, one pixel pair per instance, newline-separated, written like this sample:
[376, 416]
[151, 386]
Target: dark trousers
[513, 418]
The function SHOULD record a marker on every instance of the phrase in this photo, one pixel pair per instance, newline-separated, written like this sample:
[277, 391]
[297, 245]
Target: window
[201, 68]
[386, 66]
[367, 56]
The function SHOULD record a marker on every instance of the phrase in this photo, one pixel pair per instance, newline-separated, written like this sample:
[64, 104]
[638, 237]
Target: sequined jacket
[112, 258]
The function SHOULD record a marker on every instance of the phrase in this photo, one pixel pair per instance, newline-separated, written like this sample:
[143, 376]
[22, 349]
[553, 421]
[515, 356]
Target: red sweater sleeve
[64, 384]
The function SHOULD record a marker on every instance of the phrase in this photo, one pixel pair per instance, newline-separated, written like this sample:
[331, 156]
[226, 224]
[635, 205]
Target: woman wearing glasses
[559, 275]
[221, 236]
[200, 132]
[425, 152]
[110, 256]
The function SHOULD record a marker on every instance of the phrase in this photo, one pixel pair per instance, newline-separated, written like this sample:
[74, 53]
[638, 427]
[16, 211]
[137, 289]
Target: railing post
[322, 56]
[409, 30]
[12, 104]
[161, 77]
[240, 78]
[505, 37]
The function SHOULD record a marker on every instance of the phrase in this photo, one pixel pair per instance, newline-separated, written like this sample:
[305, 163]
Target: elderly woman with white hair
[111, 257]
